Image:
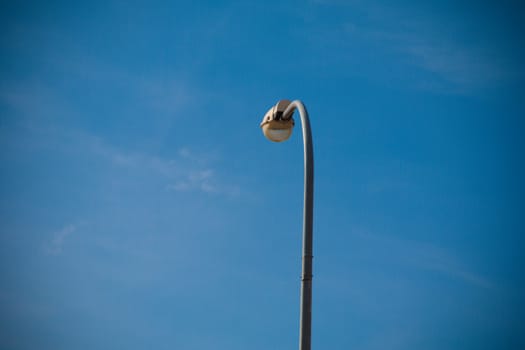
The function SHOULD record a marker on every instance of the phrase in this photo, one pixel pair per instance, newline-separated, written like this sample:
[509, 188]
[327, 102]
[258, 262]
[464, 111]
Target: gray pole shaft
[305, 333]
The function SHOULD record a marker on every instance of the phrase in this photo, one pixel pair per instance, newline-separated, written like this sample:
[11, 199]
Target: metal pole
[305, 333]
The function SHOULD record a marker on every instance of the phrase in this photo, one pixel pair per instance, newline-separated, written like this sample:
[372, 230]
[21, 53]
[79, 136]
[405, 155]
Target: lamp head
[275, 126]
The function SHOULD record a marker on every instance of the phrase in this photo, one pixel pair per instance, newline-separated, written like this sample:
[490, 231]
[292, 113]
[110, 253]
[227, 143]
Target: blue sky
[141, 207]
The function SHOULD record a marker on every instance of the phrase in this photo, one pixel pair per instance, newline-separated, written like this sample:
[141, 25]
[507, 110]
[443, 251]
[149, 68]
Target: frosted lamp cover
[276, 134]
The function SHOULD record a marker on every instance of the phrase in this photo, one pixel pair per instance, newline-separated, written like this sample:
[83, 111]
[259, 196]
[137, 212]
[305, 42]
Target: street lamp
[277, 126]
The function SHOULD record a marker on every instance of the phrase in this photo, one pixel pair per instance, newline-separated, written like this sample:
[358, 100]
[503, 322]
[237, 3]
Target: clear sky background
[142, 208]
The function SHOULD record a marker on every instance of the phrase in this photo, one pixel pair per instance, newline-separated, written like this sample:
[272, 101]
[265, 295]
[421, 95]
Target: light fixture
[276, 126]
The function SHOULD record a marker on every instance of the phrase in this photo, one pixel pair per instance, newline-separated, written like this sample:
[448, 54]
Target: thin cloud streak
[462, 68]
[426, 257]
[56, 244]
[185, 172]
[37, 105]
[455, 66]
[465, 68]
[203, 181]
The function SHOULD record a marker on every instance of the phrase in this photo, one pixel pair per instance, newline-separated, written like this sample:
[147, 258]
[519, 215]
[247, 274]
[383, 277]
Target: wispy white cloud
[204, 180]
[32, 100]
[58, 239]
[196, 179]
[185, 170]
[464, 67]
[436, 45]
[425, 256]
[169, 96]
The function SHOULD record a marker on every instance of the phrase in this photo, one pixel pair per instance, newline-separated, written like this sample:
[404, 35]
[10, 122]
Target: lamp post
[277, 126]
